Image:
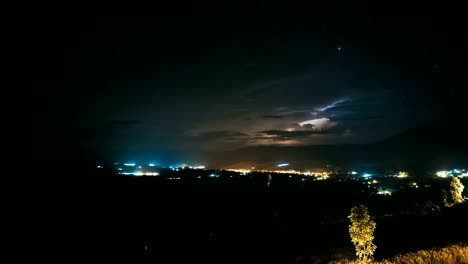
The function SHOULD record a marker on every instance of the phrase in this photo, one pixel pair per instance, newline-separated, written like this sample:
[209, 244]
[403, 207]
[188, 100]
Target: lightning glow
[333, 104]
[318, 122]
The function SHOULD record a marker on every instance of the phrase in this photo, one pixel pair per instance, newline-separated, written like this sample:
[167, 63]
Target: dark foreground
[127, 217]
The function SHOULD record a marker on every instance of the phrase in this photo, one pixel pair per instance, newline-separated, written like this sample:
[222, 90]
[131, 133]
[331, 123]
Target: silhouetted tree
[361, 231]
[456, 189]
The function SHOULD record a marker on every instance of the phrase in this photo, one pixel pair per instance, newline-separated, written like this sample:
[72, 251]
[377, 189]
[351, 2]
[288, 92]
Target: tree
[361, 231]
[456, 189]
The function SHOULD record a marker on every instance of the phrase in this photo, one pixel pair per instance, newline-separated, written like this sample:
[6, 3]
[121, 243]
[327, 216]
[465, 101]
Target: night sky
[171, 87]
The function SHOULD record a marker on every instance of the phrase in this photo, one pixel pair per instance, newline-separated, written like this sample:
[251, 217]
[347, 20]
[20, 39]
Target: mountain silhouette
[446, 133]
[431, 146]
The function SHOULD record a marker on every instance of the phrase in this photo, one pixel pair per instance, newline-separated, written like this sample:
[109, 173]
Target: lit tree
[456, 189]
[361, 231]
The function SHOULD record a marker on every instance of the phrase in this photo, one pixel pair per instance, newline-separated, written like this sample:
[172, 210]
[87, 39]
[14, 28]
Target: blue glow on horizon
[283, 165]
[129, 164]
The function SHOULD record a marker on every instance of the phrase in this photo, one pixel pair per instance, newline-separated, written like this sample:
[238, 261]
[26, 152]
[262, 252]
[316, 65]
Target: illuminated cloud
[332, 105]
[288, 134]
[318, 123]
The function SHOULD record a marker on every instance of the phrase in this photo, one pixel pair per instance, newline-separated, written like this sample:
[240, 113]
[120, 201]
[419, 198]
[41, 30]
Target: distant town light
[129, 164]
[138, 173]
[151, 164]
[402, 174]
[442, 174]
[384, 192]
[99, 167]
[354, 172]
[241, 171]
[366, 175]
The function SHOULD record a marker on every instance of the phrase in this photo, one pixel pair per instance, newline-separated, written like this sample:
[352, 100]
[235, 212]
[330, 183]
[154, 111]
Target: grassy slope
[457, 254]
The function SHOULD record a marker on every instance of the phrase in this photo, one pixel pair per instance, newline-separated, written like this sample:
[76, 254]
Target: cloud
[288, 134]
[333, 104]
[317, 123]
[221, 134]
[272, 116]
[356, 118]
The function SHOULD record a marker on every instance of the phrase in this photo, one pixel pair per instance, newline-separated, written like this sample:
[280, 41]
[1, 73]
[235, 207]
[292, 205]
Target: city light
[140, 173]
[383, 191]
[319, 175]
[99, 167]
[242, 171]
[453, 172]
[402, 174]
[151, 174]
[442, 174]
[151, 164]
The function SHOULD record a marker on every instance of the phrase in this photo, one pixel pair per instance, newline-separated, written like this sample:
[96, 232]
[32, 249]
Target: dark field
[241, 219]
